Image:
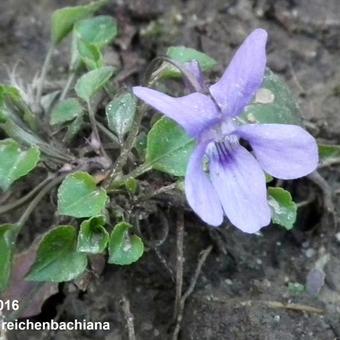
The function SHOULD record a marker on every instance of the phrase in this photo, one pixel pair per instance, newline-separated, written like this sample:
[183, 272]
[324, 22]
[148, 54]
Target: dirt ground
[249, 286]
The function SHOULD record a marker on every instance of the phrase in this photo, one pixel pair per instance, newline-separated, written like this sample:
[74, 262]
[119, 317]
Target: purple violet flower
[235, 183]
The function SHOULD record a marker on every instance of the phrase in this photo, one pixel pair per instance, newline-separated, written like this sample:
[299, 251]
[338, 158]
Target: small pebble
[310, 252]
[337, 236]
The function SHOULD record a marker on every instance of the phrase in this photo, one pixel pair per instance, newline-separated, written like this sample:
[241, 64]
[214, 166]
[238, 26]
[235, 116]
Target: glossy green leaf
[98, 31]
[274, 104]
[168, 147]
[124, 248]
[65, 111]
[64, 19]
[57, 258]
[90, 83]
[183, 55]
[283, 207]
[15, 162]
[7, 243]
[93, 237]
[120, 113]
[78, 196]
[328, 153]
[90, 36]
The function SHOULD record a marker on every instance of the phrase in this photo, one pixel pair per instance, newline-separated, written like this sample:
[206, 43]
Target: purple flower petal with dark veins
[244, 75]
[241, 186]
[199, 190]
[235, 184]
[283, 151]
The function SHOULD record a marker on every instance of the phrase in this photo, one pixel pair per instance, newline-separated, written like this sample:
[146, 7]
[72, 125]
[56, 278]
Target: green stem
[44, 70]
[68, 85]
[108, 133]
[24, 199]
[95, 131]
[37, 200]
[140, 170]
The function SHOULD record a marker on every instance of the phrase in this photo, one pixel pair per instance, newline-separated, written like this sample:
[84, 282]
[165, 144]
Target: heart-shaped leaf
[65, 111]
[90, 83]
[7, 242]
[64, 19]
[168, 147]
[57, 258]
[283, 207]
[124, 248]
[98, 31]
[274, 104]
[184, 55]
[15, 162]
[120, 113]
[93, 237]
[78, 196]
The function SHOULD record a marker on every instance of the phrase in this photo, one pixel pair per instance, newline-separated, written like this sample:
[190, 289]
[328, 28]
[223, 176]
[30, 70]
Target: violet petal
[244, 75]
[241, 186]
[194, 112]
[283, 151]
[197, 81]
[199, 191]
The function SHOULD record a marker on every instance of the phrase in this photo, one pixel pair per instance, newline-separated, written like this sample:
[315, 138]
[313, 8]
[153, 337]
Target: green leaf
[65, 111]
[183, 55]
[329, 153]
[7, 243]
[124, 249]
[93, 237]
[57, 258]
[120, 113]
[283, 207]
[15, 162]
[64, 19]
[274, 104]
[98, 31]
[168, 147]
[92, 82]
[13, 106]
[90, 55]
[78, 196]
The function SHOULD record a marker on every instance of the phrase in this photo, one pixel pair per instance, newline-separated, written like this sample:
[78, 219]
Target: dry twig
[203, 257]
[128, 317]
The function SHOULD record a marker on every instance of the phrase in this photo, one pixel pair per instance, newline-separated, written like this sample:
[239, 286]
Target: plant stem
[179, 262]
[37, 200]
[24, 199]
[95, 131]
[43, 73]
[140, 170]
[127, 147]
[108, 133]
[68, 85]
